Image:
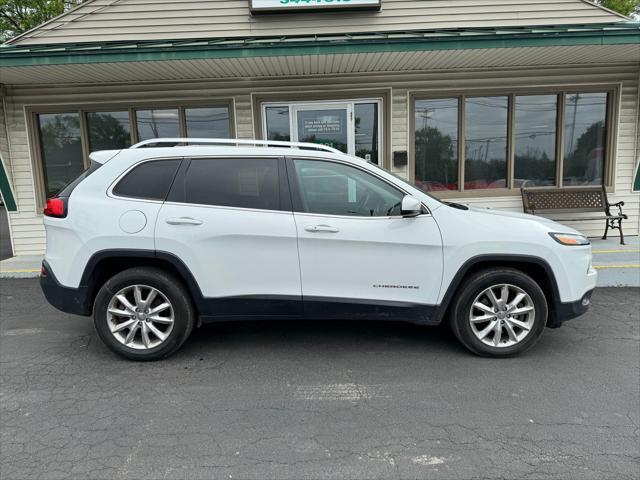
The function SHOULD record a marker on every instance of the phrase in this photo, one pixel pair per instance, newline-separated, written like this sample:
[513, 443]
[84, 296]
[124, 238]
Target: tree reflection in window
[109, 130]
[485, 163]
[584, 138]
[436, 144]
[60, 148]
[535, 140]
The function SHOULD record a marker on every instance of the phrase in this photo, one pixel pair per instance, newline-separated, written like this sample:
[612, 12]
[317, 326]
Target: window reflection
[108, 130]
[485, 142]
[535, 140]
[157, 123]
[61, 149]
[366, 131]
[584, 138]
[278, 126]
[211, 122]
[436, 144]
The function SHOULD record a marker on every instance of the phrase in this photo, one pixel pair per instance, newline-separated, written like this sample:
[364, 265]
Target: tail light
[56, 207]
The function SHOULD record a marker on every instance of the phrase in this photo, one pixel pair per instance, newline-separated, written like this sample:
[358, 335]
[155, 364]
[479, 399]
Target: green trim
[6, 190]
[69, 54]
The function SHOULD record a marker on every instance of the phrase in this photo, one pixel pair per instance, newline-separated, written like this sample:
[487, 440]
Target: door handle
[321, 228]
[183, 221]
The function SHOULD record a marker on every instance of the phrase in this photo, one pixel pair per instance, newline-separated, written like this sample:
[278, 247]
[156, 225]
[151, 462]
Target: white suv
[153, 241]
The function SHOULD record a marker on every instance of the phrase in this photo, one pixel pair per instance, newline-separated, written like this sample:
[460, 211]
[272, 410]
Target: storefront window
[584, 138]
[500, 137]
[535, 140]
[278, 126]
[61, 149]
[157, 123]
[436, 144]
[211, 122]
[109, 130]
[485, 142]
[366, 131]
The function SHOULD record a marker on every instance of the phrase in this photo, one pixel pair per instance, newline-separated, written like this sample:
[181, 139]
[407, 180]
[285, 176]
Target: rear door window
[233, 182]
[150, 180]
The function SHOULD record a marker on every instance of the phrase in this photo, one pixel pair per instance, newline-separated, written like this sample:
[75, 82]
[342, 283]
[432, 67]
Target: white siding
[27, 224]
[116, 20]
[4, 140]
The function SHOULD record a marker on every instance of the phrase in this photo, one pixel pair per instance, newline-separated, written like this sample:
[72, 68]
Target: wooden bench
[574, 200]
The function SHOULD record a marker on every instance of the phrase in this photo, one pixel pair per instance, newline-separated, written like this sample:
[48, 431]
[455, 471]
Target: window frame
[611, 119]
[34, 141]
[296, 194]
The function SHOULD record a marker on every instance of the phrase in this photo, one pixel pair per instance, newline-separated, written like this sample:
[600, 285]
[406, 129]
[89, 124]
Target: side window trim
[114, 184]
[177, 192]
[296, 194]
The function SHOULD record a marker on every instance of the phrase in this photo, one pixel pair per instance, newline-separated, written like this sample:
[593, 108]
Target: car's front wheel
[499, 312]
[143, 314]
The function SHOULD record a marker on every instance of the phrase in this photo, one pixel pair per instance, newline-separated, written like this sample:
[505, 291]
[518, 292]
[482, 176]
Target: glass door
[351, 126]
[327, 124]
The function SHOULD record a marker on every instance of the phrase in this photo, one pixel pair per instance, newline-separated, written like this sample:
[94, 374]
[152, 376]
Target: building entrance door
[351, 126]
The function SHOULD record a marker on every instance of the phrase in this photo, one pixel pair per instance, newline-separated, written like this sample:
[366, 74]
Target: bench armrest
[619, 205]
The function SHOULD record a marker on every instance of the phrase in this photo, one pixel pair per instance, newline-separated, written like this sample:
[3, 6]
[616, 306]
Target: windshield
[403, 180]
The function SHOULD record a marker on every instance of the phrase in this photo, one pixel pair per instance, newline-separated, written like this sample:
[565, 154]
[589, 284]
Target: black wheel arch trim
[88, 275]
[555, 306]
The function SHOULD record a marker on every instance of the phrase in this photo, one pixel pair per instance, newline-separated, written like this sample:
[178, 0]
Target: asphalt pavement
[304, 400]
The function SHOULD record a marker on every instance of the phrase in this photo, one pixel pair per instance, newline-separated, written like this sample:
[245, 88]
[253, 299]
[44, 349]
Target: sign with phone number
[283, 6]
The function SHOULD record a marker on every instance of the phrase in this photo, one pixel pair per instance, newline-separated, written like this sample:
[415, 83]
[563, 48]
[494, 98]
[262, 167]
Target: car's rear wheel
[499, 312]
[143, 314]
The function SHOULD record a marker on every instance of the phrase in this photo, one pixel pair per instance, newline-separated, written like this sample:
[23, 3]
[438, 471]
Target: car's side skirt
[256, 307]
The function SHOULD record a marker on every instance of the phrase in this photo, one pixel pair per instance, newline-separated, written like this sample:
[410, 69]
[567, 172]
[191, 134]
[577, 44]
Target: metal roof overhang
[320, 54]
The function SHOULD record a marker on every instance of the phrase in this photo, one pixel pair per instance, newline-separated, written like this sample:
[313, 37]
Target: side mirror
[411, 206]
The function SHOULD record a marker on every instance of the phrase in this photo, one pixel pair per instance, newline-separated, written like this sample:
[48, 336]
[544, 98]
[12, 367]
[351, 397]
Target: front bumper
[561, 312]
[66, 299]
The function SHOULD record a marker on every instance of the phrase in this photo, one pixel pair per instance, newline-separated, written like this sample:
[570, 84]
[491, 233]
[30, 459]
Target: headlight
[569, 238]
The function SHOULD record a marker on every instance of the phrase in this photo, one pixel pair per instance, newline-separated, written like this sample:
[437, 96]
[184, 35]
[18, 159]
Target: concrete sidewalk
[618, 265]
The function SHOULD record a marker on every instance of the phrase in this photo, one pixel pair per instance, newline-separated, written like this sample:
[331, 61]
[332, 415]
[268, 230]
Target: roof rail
[234, 141]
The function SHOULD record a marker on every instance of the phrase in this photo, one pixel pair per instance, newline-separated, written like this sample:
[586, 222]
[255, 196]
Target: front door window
[353, 127]
[329, 188]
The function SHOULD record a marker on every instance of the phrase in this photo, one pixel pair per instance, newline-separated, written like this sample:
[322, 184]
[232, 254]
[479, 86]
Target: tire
[521, 324]
[172, 324]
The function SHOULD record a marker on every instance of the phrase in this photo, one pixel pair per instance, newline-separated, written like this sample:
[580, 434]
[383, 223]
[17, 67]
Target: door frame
[329, 103]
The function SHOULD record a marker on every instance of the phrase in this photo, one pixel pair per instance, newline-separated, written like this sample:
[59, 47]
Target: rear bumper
[66, 299]
[561, 312]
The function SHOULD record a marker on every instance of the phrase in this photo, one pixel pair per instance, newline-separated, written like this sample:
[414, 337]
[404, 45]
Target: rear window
[150, 180]
[233, 182]
[66, 191]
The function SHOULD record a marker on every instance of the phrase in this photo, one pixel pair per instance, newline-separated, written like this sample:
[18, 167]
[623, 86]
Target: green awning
[623, 33]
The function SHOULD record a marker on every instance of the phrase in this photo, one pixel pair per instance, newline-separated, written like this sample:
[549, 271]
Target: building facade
[470, 99]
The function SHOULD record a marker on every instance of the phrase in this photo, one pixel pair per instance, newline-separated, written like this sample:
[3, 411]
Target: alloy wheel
[140, 317]
[502, 315]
